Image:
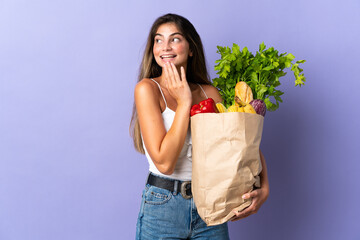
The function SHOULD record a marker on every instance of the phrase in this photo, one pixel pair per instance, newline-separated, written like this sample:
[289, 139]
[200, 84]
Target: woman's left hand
[258, 196]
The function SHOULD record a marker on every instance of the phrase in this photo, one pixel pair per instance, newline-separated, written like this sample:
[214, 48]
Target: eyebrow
[175, 33]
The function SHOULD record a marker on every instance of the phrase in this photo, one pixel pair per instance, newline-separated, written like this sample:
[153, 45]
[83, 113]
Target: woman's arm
[163, 147]
[264, 176]
[258, 196]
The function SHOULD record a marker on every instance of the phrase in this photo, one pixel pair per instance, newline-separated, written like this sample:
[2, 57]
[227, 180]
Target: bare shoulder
[212, 92]
[146, 87]
[210, 88]
[144, 84]
[146, 92]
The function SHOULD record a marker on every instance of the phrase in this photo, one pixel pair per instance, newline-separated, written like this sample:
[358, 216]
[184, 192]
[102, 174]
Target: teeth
[168, 56]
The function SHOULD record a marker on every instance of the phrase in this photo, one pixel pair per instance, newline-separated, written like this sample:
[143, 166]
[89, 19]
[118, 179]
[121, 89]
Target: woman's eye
[158, 40]
[176, 39]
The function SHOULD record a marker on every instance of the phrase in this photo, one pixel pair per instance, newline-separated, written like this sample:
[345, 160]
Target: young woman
[173, 77]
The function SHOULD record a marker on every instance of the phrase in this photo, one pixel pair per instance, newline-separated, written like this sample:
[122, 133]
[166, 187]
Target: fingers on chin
[183, 75]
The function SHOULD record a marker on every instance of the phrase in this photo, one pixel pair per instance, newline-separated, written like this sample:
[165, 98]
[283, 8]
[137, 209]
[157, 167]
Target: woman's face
[170, 46]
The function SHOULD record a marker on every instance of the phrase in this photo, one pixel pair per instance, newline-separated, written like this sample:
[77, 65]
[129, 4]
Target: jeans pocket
[157, 196]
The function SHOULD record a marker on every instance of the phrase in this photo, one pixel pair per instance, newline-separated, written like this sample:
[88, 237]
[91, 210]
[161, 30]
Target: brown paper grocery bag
[226, 162]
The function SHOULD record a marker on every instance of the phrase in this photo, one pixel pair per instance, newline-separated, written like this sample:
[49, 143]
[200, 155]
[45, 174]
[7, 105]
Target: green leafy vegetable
[261, 72]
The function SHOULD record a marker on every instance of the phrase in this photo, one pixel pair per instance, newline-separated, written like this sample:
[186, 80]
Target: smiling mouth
[167, 56]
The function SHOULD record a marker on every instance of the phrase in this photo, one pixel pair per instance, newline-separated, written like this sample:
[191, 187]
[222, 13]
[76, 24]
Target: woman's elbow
[165, 165]
[165, 169]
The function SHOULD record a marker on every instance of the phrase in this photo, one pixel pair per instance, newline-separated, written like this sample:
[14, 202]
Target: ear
[190, 53]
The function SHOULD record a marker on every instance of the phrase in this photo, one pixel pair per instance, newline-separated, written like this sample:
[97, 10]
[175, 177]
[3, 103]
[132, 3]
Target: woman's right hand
[164, 146]
[177, 86]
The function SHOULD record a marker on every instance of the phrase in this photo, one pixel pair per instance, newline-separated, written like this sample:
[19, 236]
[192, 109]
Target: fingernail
[244, 196]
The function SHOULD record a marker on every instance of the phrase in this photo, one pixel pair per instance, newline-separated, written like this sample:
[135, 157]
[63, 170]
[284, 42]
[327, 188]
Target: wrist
[265, 188]
[185, 105]
[264, 183]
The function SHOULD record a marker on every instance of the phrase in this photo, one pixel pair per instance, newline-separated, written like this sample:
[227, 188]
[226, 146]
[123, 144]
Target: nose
[167, 46]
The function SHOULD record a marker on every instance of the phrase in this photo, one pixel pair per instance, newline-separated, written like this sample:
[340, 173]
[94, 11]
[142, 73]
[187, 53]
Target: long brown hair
[196, 65]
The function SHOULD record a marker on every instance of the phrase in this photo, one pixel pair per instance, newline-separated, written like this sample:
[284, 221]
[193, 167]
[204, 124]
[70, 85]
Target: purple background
[67, 74]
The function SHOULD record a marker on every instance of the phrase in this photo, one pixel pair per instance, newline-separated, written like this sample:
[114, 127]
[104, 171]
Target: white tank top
[183, 167]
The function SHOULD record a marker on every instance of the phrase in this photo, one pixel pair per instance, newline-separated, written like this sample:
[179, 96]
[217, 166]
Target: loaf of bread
[243, 94]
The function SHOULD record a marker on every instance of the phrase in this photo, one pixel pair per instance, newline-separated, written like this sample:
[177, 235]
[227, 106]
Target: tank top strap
[202, 90]
[160, 91]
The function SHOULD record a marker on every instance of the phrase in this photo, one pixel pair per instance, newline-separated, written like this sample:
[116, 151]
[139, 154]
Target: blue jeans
[167, 215]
